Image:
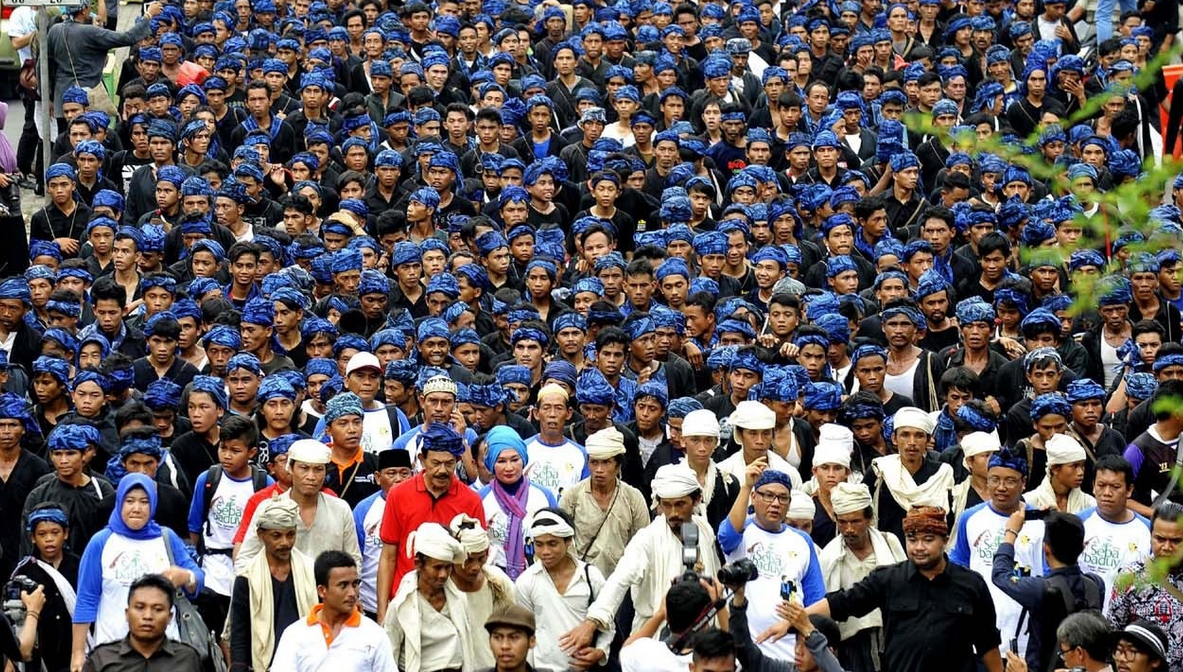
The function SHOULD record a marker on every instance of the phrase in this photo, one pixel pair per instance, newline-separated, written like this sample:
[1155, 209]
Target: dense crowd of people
[642, 336]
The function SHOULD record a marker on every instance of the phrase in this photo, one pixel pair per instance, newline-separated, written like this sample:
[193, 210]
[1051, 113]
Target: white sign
[39, 3]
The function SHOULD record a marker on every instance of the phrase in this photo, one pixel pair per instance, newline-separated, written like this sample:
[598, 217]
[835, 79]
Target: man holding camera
[785, 563]
[1047, 600]
[688, 608]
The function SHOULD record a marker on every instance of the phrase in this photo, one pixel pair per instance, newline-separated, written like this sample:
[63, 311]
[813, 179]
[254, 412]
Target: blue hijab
[116, 523]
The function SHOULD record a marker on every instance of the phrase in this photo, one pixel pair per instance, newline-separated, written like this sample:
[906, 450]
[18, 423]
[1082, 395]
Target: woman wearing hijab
[511, 500]
[131, 546]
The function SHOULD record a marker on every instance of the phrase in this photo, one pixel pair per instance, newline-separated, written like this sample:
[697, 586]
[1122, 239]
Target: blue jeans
[1104, 16]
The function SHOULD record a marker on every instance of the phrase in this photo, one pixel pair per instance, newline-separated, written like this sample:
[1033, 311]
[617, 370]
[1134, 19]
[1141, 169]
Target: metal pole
[43, 78]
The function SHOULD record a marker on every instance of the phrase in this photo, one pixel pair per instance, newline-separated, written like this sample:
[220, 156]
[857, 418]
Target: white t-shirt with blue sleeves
[218, 525]
[785, 555]
[980, 531]
[557, 467]
[1110, 546]
[367, 519]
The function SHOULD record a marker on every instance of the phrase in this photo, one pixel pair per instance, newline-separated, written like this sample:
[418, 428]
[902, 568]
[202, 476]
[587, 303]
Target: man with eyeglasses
[982, 529]
[785, 556]
[1083, 641]
[1141, 647]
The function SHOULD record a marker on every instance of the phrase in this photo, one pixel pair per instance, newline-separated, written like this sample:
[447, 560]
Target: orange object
[1171, 74]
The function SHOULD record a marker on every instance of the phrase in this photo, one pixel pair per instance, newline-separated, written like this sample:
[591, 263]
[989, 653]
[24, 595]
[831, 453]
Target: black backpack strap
[258, 479]
[591, 592]
[213, 478]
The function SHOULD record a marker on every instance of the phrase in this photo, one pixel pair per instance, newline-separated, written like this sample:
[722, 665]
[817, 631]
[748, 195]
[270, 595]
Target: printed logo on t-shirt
[225, 511]
[1104, 556]
[767, 559]
[128, 567]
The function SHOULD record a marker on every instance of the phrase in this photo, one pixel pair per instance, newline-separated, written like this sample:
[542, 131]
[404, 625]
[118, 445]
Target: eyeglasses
[1009, 482]
[770, 497]
[1126, 651]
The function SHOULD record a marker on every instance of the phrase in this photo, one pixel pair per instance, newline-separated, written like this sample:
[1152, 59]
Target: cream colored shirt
[439, 640]
[332, 530]
[601, 536]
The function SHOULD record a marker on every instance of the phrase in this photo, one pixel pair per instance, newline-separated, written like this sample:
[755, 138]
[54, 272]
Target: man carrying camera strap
[786, 566]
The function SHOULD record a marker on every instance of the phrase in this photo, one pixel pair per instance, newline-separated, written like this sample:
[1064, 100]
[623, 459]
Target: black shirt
[355, 481]
[194, 454]
[54, 625]
[14, 490]
[284, 613]
[929, 625]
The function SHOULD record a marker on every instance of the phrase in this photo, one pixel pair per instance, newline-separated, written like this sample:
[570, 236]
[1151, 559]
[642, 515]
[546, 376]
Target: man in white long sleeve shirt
[653, 559]
[753, 425]
[559, 588]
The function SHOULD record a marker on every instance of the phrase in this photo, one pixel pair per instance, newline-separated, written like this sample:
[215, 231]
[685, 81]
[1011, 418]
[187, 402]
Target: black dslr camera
[738, 573]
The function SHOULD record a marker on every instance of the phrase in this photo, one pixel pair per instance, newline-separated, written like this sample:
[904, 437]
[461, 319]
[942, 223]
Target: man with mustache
[937, 615]
[848, 559]
[280, 567]
[786, 557]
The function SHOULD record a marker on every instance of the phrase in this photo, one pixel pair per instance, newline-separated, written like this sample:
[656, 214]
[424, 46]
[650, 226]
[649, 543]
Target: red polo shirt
[409, 505]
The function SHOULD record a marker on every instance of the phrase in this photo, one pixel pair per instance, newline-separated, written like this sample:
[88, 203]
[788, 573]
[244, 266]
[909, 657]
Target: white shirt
[556, 468]
[904, 382]
[219, 527]
[785, 555]
[556, 613]
[361, 648]
[23, 21]
[980, 532]
[376, 433]
[369, 524]
[736, 466]
[652, 655]
[439, 638]
[124, 561]
[1110, 546]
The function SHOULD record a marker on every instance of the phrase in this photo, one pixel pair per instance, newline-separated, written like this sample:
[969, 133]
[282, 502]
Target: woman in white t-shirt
[131, 546]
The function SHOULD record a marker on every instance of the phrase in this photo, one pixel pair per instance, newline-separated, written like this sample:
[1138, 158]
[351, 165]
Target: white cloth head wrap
[834, 445]
[605, 444]
[1063, 449]
[700, 423]
[976, 443]
[753, 415]
[910, 416]
[675, 480]
[434, 541]
[468, 530]
[549, 522]
[801, 506]
[309, 451]
[849, 497]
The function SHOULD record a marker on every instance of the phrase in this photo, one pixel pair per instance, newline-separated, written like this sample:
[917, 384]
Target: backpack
[213, 478]
[1059, 602]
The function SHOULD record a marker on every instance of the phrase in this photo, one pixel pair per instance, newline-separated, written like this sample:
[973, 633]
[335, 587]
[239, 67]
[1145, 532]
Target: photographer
[812, 653]
[1047, 600]
[686, 609]
[48, 609]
